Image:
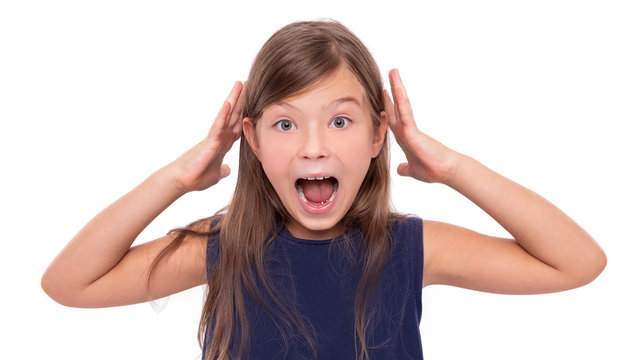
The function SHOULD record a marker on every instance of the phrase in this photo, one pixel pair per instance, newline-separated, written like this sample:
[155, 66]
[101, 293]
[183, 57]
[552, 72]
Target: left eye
[340, 122]
[285, 125]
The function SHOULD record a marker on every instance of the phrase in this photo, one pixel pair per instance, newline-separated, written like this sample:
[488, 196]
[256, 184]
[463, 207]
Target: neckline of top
[286, 235]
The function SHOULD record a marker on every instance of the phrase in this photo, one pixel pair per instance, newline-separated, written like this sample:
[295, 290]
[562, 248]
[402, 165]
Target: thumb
[224, 171]
[403, 169]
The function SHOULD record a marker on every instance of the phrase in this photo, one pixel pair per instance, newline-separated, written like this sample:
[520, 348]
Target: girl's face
[315, 148]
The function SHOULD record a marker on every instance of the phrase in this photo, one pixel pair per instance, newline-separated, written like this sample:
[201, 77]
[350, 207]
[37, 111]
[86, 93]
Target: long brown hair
[294, 58]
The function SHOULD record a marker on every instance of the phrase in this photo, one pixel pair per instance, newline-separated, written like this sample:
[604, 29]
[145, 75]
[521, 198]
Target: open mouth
[317, 191]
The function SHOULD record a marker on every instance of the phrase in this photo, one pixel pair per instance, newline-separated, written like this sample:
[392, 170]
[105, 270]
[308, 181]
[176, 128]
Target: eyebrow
[338, 101]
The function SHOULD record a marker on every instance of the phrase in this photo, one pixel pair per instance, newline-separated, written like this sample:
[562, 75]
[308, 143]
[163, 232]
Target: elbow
[57, 292]
[590, 267]
[48, 285]
[50, 288]
[600, 262]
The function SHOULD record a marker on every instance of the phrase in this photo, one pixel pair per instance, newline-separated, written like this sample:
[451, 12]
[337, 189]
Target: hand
[427, 159]
[201, 166]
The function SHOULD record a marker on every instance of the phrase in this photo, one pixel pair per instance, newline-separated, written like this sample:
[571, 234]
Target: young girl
[308, 260]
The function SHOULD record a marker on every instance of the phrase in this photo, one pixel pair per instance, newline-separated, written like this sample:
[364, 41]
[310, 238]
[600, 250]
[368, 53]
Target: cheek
[277, 176]
[357, 169]
[358, 144]
[356, 154]
[275, 158]
[272, 162]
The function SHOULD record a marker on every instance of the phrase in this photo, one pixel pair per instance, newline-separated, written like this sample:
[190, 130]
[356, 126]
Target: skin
[548, 251]
[314, 146]
[555, 255]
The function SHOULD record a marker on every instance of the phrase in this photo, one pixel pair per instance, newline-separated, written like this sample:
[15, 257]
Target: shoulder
[406, 232]
[191, 246]
[211, 227]
[406, 227]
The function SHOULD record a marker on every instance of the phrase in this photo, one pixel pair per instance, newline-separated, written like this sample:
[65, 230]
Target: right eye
[285, 125]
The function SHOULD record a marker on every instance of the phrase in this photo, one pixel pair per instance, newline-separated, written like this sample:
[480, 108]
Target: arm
[97, 268]
[549, 252]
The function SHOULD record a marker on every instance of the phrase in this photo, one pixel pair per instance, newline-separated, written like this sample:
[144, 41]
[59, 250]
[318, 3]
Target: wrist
[168, 180]
[458, 163]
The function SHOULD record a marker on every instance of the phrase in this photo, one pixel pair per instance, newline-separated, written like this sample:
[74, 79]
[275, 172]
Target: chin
[315, 229]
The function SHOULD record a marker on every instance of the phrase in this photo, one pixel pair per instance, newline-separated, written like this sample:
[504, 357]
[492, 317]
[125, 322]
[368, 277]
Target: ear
[248, 129]
[379, 135]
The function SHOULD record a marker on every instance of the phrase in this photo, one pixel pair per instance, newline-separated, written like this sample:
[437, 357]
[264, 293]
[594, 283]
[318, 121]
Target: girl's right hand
[98, 268]
[201, 166]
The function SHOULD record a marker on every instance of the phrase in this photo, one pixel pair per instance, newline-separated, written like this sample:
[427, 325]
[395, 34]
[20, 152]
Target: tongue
[317, 190]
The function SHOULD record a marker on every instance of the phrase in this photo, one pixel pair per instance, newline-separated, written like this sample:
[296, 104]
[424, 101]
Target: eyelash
[346, 121]
[287, 122]
[279, 124]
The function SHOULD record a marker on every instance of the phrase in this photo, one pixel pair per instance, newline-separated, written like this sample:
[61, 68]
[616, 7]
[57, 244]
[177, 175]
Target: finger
[232, 99]
[389, 110]
[236, 112]
[392, 118]
[403, 107]
[235, 93]
[237, 105]
[237, 130]
[224, 171]
[403, 169]
[223, 113]
[221, 119]
[398, 89]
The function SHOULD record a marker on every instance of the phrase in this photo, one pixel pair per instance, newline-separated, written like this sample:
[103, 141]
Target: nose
[314, 144]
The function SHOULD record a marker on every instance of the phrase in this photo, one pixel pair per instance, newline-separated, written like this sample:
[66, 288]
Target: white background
[95, 96]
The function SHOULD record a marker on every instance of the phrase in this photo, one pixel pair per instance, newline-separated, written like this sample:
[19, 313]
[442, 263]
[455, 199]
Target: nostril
[310, 156]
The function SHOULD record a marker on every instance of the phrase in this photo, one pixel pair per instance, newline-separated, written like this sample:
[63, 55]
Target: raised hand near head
[427, 159]
[201, 166]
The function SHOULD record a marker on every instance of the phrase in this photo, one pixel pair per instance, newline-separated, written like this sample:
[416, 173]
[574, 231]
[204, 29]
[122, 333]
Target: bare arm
[549, 251]
[97, 268]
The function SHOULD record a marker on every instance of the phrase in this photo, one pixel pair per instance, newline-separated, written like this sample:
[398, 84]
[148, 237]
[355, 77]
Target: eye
[340, 122]
[285, 125]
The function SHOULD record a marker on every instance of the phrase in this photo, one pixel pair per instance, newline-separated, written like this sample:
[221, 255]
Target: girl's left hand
[557, 255]
[427, 159]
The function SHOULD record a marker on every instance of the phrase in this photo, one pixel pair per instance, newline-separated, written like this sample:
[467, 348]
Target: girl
[308, 260]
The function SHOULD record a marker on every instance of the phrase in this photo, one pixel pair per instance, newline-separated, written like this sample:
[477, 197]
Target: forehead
[338, 88]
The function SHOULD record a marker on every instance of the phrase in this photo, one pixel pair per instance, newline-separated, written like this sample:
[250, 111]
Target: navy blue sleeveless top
[322, 281]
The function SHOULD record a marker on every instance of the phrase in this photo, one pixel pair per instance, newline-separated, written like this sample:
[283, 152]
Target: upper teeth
[316, 178]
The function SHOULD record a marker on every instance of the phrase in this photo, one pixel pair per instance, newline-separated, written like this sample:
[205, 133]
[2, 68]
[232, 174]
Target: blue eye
[285, 125]
[340, 122]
